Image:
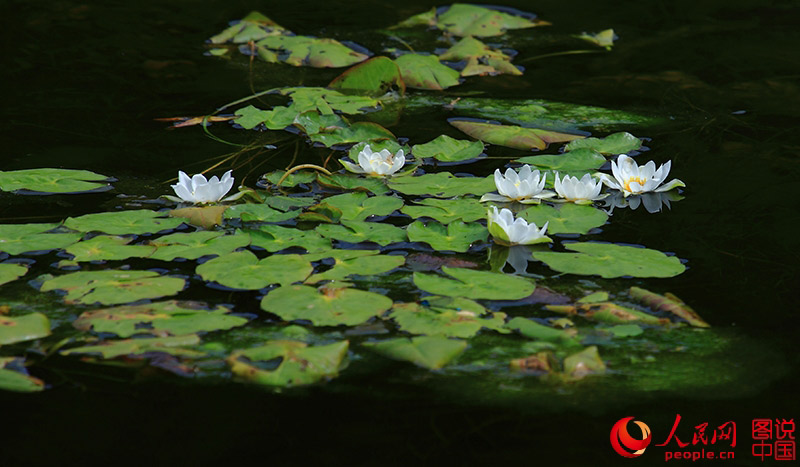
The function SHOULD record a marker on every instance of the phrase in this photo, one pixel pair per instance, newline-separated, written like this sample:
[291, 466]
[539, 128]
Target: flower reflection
[652, 202]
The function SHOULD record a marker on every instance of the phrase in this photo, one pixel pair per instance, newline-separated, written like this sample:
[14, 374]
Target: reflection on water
[652, 202]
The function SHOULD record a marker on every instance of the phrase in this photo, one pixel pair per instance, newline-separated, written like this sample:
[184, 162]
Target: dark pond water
[84, 81]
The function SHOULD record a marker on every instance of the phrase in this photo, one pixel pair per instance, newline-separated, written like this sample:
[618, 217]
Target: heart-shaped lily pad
[447, 149]
[23, 328]
[243, 270]
[307, 51]
[452, 320]
[276, 238]
[442, 185]
[512, 136]
[287, 203]
[480, 58]
[11, 272]
[530, 328]
[455, 236]
[193, 245]
[53, 181]
[350, 182]
[137, 222]
[171, 317]
[475, 284]
[566, 218]
[609, 260]
[576, 161]
[360, 206]
[251, 212]
[447, 210]
[293, 179]
[363, 266]
[254, 26]
[16, 239]
[375, 77]
[173, 345]
[426, 72]
[14, 376]
[300, 364]
[325, 306]
[432, 352]
[358, 231]
[618, 143]
[473, 20]
[108, 248]
[111, 287]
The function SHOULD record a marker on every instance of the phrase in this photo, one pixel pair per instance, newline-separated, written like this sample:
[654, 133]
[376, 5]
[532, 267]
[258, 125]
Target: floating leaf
[481, 59]
[618, 143]
[326, 101]
[16, 239]
[206, 216]
[338, 254]
[427, 18]
[577, 161]
[511, 136]
[473, 20]
[475, 284]
[609, 260]
[447, 149]
[251, 212]
[137, 222]
[532, 329]
[254, 26]
[112, 287]
[539, 362]
[668, 303]
[358, 231]
[160, 318]
[604, 38]
[286, 203]
[362, 266]
[14, 376]
[432, 352]
[442, 185]
[250, 117]
[359, 206]
[300, 364]
[375, 77]
[584, 363]
[447, 210]
[325, 306]
[308, 51]
[625, 330]
[107, 248]
[607, 312]
[426, 72]
[450, 321]
[243, 270]
[173, 345]
[193, 245]
[11, 271]
[276, 238]
[566, 218]
[292, 180]
[455, 236]
[331, 130]
[349, 182]
[23, 328]
[52, 180]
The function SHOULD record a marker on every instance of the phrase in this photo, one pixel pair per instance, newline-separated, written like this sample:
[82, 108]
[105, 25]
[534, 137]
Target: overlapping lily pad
[473, 20]
[111, 287]
[243, 270]
[375, 77]
[575, 161]
[455, 236]
[442, 185]
[193, 245]
[432, 352]
[108, 248]
[566, 218]
[173, 345]
[512, 136]
[447, 149]
[276, 238]
[451, 318]
[14, 376]
[299, 364]
[350, 182]
[254, 26]
[11, 271]
[476, 285]
[358, 231]
[480, 58]
[363, 266]
[360, 206]
[609, 260]
[447, 210]
[23, 328]
[532, 329]
[307, 51]
[171, 317]
[426, 72]
[325, 306]
[333, 130]
[293, 179]
[53, 181]
[16, 239]
[618, 143]
[137, 222]
[251, 212]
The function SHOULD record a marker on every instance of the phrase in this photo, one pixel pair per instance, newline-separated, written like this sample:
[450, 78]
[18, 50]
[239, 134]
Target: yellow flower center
[638, 180]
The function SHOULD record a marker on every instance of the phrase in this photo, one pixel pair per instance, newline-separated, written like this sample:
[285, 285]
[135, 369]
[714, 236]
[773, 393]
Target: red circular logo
[625, 444]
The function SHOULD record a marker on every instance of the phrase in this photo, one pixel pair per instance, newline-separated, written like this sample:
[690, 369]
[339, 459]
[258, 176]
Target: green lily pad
[618, 143]
[426, 72]
[584, 363]
[287, 203]
[250, 117]
[308, 51]
[112, 287]
[325, 306]
[193, 245]
[350, 182]
[363, 266]
[375, 77]
[171, 317]
[292, 180]
[358, 231]
[14, 376]
[455, 236]
[251, 212]
[609, 260]
[300, 364]
[566, 218]
[16, 239]
[173, 345]
[473, 20]
[608, 312]
[276, 238]
[11, 271]
[427, 18]
[447, 210]
[532, 329]
[254, 26]
[447, 149]
[432, 352]
[23, 328]
[475, 284]
[442, 185]
[243, 270]
[512, 136]
[137, 222]
[108, 248]
[480, 58]
[577, 161]
[326, 101]
[359, 206]
[625, 330]
[331, 130]
[417, 319]
[52, 180]
[668, 303]
[339, 255]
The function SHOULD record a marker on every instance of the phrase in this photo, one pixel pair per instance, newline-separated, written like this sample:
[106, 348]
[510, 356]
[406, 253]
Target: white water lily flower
[510, 231]
[377, 164]
[526, 187]
[633, 179]
[582, 191]
[198, 190]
